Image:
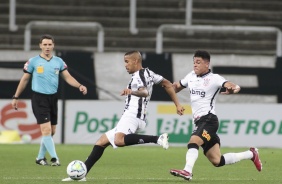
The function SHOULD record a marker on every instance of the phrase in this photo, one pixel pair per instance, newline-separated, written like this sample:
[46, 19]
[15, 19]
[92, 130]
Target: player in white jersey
[134, 105]
[138, 93]
[204, 87]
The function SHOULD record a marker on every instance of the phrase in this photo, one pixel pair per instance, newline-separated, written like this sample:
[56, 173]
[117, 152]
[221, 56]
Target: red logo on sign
[8, 113]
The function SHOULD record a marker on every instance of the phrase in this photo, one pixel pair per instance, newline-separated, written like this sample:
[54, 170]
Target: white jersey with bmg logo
[136, 106]
[203, 92]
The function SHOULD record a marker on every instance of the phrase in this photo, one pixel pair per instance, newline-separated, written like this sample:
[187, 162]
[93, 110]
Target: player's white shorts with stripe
[126, 125]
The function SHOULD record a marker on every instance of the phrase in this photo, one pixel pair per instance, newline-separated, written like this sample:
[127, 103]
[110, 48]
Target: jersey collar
[46, 59]
[204, 74]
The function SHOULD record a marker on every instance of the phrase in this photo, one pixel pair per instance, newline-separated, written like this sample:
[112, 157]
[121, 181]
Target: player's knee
[103, 141]
[220, 162]
[46, 131]
[119, 142]
[215, 161]
[193, 145]
[119, 139]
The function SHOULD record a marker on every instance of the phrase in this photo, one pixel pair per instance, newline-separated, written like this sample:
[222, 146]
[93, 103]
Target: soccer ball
[26, 138]
[76, 170]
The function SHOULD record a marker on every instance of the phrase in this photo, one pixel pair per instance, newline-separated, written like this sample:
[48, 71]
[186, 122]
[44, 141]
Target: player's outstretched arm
[141, 92]
[167, 85]
[231, 88]
[177, 87]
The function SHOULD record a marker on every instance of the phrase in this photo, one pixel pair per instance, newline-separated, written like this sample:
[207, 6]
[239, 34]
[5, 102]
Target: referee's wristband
[14, 97]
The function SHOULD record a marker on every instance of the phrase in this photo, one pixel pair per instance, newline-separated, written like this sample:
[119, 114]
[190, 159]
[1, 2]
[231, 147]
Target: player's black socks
[94, 156]
[132, 139]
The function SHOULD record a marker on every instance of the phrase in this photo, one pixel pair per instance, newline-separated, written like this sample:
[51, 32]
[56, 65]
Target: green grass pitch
[135, 164]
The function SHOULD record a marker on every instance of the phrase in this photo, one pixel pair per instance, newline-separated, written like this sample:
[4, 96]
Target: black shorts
[45, 108]
[206, 128]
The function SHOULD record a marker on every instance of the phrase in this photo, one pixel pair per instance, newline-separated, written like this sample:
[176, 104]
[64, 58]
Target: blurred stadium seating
[114, 16]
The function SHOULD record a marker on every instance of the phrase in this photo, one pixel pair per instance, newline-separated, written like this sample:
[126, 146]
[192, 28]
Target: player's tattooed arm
[141, 92]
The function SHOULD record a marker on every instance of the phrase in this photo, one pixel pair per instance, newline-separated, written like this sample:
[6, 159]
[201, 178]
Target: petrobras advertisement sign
[250, 125]
[86, 121]
[23, 122]
[241, 125]
[92, 119]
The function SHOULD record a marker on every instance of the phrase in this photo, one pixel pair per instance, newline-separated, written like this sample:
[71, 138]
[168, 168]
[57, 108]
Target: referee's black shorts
[206, 128]
[45, 108]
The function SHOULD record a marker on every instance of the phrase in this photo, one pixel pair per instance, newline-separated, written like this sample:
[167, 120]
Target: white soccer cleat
[69, 179]
[163, 141]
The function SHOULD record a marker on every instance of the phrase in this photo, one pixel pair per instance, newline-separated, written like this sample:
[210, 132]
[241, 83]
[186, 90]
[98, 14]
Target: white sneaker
[69, 179]
[163, 141]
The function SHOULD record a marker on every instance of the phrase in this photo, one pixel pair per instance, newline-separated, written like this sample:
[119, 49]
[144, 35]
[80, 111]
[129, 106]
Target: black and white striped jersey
[203, 92]
[136, 106]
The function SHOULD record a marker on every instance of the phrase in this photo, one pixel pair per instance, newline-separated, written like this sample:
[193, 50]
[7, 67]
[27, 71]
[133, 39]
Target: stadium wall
[105, 76]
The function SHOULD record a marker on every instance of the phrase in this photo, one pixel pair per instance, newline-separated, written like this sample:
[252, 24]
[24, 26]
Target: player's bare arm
[73, 82]
[141, 92]
[177, 87]
[168, 86]
[231, 88]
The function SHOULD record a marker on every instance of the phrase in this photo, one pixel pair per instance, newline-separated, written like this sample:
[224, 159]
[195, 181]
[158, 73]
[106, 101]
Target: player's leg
[97, 151]
[133, 139]
[41, 159]
[214, 155]
[199, 137]
[48, 140]
[42, 105]
[54, 160]
[192, 152]
[219, 160]
[54, 120]
[191, 157]
[35, 100]
[228, 158]
[43, 150]
[126, 133]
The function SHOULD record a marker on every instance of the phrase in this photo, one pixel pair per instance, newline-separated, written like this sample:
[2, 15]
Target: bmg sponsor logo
[198, 92]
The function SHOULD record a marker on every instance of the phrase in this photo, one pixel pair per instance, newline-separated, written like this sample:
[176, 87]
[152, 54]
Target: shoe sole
[55, 164]
[70, 180]
[43, 164]
[181, 176]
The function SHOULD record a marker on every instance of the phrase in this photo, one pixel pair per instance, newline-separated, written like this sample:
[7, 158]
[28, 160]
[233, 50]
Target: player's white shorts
[126, 125]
